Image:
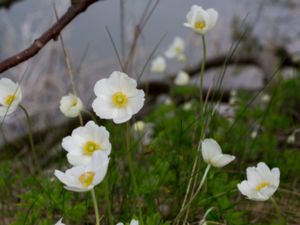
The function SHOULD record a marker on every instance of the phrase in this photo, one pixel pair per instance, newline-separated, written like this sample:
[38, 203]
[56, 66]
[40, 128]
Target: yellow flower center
[262, 185]
[74, 103]
[199, 25]
[178, 50]
[86, 179]
[119, 99]
[90, 147]
[9, 100]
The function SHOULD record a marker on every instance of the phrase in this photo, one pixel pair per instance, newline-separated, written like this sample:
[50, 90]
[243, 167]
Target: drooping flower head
[10, 96]
[117, 98]
[261, 182]
[70, 105]
[200, 20]
[176, 49]
[212, 154]
[84, 142]
[85, 177]
[158, 65]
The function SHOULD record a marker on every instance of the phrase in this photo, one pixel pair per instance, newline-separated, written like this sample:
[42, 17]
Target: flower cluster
[88, 147]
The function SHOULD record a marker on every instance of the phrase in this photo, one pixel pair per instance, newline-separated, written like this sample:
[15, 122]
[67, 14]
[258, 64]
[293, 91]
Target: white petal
[213, 18]
[60, 222]
[64, 178]
[137, 102]
[103, 108]
[210, 148]
[121, 115]
[77, 189]
[102, 88]
[222, 160]
[77, 160]
[134, 222]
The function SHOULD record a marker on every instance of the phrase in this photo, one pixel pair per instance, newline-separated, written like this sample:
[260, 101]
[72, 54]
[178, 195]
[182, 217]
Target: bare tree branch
[51, 33]
[7, 3]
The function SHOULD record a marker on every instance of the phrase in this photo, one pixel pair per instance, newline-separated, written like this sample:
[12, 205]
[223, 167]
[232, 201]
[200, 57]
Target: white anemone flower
[117, 98]
[182, 78]
[70, 105]
[60, 222]
[132, 222]
[176, 49]
[85, 177]
[84, 142]
[10, 96]
[261, 182]
[200, 20]
[212, 154]
[158, 65]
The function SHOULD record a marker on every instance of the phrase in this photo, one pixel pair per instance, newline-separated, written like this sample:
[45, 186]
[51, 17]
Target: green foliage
[162, 169]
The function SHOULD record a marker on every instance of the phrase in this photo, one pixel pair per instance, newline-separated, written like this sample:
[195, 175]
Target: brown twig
[51, 33]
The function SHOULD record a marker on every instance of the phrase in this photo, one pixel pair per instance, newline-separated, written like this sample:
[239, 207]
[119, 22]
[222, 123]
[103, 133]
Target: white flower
[182, 78]
[187, 106]
[139, 126]
[265, 98]
[201, 20]
[60, 222]
[168, 101]
[253, 134]
[158, 65]
[176, 49]
[10, 96]
[212, 154]
[117, 98]
[85, 177]
[261, 182]
[70, 105]
[84, 142]
[132, 222]
[291, 139]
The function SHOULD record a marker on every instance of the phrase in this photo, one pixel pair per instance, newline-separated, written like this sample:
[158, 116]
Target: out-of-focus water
[273, 23]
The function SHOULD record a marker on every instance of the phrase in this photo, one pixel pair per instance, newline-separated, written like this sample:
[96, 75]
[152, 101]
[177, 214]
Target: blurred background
[261, 27]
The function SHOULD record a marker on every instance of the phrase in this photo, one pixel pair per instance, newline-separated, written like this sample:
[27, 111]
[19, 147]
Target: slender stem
[95, 207]
[202, 221]
[202, 70]
[33, 151]
[108, 205]
[277, 208]
[131, 169]
[189, 184]
[195, 194]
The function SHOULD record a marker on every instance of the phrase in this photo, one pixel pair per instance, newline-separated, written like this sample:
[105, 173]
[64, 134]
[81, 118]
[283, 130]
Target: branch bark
[7, 3]
[51, 33]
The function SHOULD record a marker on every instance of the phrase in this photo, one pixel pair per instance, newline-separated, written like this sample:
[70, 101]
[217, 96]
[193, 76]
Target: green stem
[131, 169]
[110, 217]
[202, 70]
[279, 214]
[195, 194]
[95, 207]
[33, 151]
